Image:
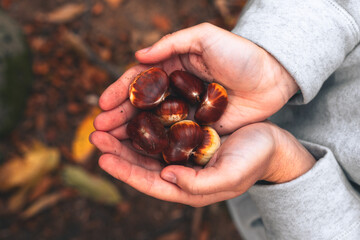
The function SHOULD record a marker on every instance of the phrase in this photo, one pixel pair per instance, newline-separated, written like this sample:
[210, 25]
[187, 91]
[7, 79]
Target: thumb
[184, 41]
[205, 181]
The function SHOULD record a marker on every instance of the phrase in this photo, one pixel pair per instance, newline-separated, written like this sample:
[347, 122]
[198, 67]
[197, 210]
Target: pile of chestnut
[162, 126]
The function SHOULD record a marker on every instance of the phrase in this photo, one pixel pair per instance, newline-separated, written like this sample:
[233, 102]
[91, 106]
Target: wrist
[282, 78]
[289, 160]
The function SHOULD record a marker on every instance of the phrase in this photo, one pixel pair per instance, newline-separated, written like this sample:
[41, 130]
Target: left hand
[257, 84]
[260, 151]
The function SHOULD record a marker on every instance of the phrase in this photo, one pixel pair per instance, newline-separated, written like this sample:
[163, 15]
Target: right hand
[259, 151]
[257, 84]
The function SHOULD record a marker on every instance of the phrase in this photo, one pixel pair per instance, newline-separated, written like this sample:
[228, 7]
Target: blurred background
[56, 58]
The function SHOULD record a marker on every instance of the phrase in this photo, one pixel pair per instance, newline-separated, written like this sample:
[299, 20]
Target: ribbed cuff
[321, 204]
[309, 38]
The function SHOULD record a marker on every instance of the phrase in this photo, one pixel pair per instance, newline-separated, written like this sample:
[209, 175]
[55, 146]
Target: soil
[67, 84]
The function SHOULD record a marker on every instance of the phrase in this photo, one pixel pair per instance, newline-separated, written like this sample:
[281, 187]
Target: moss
[18, 78]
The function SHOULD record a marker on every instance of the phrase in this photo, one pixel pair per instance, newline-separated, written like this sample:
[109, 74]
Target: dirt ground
[69, 76]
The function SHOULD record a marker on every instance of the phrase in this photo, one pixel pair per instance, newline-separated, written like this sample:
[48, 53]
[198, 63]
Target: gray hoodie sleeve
[292, 210]
[309, 38]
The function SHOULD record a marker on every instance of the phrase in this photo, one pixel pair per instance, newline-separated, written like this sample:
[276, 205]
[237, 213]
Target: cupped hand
[257, 84]
[260, 151]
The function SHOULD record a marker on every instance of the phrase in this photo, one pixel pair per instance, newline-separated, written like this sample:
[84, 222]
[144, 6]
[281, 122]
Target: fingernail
[145, 50]
[90, 138]
[170, 177]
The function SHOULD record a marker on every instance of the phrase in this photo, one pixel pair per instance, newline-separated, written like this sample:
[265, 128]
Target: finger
[118, 92]
[246, 113]
[184, 41]
[150, 183]
[144, 180]
[205, 181]
[120, 132]
[108, 144]
[114, 118]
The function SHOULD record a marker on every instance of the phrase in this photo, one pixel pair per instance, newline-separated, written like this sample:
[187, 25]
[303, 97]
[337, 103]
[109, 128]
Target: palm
[249, 73]
[233, 169]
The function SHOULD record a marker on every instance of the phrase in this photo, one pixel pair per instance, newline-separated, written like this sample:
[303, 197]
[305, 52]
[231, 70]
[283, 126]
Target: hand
[257, 84]
[260, 151]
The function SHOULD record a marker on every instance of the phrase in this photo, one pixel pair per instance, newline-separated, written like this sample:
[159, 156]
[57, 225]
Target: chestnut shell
[187, 85]
[149, 88]
[172, 110]
[184, 137]
[206, 150]
[146, 130]
[212, 105]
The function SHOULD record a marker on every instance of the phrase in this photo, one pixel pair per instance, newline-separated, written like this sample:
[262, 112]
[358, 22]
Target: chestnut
[146, 131]
[149, 88]
[187, 85]
[184, 137]
[172, 110]
[212, 105]
[208, 147]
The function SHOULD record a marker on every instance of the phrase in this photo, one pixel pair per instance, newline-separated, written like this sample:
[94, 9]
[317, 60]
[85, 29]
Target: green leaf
[91, 186]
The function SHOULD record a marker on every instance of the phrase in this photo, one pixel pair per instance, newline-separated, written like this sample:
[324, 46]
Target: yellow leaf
[37, 161]
[81, 147]
[65, 13]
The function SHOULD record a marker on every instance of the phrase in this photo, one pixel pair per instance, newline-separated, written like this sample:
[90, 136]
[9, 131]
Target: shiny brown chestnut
[172, 110]
[184, 137]
[146, 131]
[149, 88]
[206, 150]
[212, 105]
[187, 85]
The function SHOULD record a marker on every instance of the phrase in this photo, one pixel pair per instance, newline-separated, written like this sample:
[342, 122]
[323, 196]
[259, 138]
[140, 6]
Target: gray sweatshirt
[317, 41]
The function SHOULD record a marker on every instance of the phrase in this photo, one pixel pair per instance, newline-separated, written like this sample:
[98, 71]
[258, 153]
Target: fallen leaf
[19, 198]
[114, 3]
[37, 161]
[6, 4]
[97, 9]
[91, 186]
[75, 42]
[162, 22]
[176, 235]
[65, 13]
[42, 187]
[81, 147]
[105, 54]
[43, 203]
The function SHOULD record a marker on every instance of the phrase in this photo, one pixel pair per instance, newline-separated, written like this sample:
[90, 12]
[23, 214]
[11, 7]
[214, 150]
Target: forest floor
[79, 47]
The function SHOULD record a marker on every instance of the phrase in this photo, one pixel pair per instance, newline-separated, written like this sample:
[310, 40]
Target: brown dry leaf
[97, 9]
[162, 22]
[75, 42]
[176, 235]
[65, 13]
[43, 203]
[42, 187]
[114, 3]
[91, 186]
[6, 4]
[37, 161]
[81, 147]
